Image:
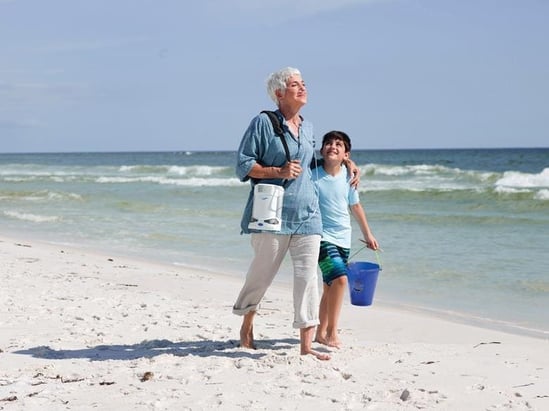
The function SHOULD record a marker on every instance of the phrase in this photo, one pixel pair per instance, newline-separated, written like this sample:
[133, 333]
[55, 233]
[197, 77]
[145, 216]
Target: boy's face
[334, 150]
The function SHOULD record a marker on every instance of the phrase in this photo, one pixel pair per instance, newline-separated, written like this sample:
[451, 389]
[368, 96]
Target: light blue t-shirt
[260, 144]
[335, 197]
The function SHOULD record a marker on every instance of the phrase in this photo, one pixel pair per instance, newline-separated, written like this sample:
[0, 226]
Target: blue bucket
[362, 280]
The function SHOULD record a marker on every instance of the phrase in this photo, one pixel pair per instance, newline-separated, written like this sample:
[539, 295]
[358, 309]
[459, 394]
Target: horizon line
[190, 151]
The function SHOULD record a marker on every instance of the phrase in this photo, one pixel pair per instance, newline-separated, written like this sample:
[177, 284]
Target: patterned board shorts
[332, 261]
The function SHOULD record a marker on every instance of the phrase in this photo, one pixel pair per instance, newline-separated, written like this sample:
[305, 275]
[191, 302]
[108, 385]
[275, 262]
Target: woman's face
[296, 92]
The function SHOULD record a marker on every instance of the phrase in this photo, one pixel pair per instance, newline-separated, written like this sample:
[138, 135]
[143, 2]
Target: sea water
[464, 233]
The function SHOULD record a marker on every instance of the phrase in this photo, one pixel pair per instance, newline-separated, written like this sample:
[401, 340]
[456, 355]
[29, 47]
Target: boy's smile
[334, 150]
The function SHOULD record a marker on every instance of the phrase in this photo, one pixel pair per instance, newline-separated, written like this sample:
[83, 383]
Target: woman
[262, 158]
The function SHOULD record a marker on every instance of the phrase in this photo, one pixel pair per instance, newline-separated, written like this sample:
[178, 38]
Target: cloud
[19, 124]
[91, 45]
[281, 10]
[311, 6]
[19, 95]
[25, 72]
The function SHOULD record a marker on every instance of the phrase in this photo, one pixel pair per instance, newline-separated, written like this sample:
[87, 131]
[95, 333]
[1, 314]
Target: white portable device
[267, 207]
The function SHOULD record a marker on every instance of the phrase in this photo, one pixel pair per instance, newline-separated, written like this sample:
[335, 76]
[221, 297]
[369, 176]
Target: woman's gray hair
[278, 79]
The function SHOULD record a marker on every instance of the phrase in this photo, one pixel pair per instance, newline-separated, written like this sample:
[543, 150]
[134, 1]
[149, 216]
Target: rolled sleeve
[248, 151]
[244, 166]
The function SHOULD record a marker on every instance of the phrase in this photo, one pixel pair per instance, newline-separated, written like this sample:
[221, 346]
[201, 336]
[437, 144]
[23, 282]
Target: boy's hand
[371, 243]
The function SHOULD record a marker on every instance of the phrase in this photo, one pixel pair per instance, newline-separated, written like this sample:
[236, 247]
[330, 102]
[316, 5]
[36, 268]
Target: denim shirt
[260, 144]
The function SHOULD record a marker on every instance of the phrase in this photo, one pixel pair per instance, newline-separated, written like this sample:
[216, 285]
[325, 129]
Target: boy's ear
[347, 155]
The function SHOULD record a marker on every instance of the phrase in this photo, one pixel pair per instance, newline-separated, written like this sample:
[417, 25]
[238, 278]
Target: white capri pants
[269, 252]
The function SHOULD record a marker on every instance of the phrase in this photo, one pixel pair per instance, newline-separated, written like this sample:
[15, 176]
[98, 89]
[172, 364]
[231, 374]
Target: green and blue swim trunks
[332, 261]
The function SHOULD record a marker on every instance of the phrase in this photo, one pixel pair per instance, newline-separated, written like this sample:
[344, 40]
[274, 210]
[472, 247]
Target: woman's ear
[279, 94]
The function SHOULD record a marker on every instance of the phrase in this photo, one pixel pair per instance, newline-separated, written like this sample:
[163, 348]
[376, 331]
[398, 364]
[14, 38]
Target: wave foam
[409, 170]
[195, 170]
[35, 218]
[542, 195]
[189, 182]
[515, 179]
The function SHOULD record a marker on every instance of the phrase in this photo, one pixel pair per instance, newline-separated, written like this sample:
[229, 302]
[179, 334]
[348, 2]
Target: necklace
[296, 122]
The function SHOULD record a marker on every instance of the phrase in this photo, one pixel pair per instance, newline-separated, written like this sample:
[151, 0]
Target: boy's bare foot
[333, 342]
[319, 337]
[330, 342]
[321, 340]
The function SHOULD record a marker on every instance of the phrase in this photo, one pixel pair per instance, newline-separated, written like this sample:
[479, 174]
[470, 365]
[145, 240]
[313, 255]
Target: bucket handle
[378, 258]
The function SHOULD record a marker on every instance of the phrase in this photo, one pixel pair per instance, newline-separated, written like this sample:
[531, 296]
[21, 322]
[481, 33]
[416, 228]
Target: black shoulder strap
[277, 127]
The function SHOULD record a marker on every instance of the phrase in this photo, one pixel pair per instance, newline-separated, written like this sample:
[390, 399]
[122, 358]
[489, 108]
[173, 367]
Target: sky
[170, 75]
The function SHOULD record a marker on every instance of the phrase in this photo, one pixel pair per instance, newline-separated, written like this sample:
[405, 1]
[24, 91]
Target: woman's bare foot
[319, 355]
[306, 338]
[247, 338]
[247, 331]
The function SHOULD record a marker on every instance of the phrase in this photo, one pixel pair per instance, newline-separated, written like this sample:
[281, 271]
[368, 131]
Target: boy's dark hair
[337, 135]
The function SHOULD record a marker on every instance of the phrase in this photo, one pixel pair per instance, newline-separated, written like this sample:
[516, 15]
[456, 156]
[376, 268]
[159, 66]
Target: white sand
[79, 331]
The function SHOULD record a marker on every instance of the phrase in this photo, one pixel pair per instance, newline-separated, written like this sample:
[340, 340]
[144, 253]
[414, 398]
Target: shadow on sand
[153, 348]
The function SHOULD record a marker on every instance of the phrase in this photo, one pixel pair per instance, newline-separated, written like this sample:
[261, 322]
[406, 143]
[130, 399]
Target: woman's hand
[354, 172]
[291, 170]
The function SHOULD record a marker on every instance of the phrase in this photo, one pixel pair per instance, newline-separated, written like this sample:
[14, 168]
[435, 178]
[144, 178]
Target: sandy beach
[80, 330]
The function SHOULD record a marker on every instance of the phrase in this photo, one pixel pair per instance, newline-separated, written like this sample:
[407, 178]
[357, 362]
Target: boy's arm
[360, 215]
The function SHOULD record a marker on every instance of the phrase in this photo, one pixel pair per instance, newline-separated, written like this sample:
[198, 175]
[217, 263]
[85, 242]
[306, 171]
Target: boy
[336, 196]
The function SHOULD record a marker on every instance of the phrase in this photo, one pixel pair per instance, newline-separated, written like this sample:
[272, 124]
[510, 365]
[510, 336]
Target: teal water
[464, 232]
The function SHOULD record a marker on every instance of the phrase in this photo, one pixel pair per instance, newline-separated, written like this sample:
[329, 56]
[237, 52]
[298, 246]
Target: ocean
[464, 233]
